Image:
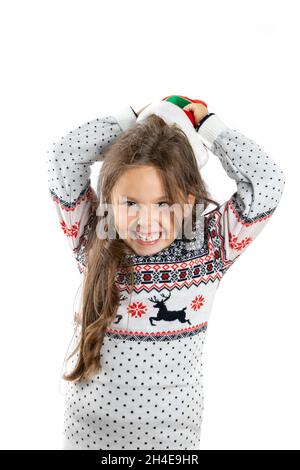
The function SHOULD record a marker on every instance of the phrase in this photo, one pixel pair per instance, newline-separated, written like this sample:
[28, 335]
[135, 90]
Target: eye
[165, 203]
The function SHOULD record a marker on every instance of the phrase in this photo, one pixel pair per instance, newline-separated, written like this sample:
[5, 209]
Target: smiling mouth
[147, 239]
[148, 236]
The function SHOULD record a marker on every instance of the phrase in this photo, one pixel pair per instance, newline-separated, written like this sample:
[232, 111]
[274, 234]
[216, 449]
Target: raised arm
[69, 163]
[260, 184]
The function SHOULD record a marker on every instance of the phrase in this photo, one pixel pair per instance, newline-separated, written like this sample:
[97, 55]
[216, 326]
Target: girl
[136, 373]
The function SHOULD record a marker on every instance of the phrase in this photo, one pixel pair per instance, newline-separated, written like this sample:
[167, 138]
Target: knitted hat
[183, 101]
[170, 110]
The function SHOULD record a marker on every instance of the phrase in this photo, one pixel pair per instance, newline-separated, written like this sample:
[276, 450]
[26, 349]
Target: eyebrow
[134, 199]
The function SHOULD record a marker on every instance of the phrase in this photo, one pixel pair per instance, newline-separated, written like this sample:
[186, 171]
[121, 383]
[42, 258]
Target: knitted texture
[149, 394]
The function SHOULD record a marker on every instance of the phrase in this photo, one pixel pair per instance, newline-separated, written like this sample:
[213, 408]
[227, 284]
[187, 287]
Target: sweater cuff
[210, 129]
[126, 117]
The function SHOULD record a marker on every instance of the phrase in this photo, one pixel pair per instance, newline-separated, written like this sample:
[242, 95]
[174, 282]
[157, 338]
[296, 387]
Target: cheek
[121, 219]
[127, 221]
[166, 220]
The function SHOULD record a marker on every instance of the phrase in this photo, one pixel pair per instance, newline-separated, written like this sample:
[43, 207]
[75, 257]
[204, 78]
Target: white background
[66, 62]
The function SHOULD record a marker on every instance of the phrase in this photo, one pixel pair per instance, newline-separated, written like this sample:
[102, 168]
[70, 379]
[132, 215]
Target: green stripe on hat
[178, 100]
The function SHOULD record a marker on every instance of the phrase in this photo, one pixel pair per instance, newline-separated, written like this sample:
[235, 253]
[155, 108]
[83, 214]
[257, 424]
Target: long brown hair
[150, 142]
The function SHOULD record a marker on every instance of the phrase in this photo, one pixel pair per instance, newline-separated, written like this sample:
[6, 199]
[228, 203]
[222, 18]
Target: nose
[147, 222]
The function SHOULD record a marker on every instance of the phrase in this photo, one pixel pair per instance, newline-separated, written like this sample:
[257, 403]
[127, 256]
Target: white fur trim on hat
[171, 113]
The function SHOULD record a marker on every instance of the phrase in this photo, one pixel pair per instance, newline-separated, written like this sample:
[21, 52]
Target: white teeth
[149, 239]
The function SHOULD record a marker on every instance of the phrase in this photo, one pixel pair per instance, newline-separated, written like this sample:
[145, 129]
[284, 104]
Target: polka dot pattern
[260, 181]
[260, 185]
[149, 395]
[69, 163]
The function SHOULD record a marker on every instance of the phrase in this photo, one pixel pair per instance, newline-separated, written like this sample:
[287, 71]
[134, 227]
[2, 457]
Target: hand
[199, 111]
[142, 109]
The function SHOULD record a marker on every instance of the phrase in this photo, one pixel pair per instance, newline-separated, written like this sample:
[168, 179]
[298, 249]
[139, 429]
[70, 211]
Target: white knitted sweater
[149, 394]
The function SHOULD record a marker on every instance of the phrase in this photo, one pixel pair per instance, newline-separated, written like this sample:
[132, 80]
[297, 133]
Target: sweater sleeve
[69, 163]
[260, 184]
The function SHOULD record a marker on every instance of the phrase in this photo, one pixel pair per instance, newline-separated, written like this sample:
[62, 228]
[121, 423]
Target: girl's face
[142, 212]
